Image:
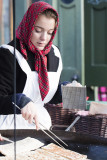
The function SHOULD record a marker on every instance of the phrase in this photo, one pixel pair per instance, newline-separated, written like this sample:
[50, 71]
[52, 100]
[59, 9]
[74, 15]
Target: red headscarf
[23, 33]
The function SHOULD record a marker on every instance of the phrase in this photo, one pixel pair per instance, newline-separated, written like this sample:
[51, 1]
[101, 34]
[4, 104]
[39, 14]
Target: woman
[38, 69]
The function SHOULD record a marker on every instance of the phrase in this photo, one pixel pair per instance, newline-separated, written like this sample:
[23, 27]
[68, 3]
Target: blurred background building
[81, 38]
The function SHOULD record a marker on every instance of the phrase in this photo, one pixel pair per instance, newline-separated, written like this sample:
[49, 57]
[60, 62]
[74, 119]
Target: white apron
[31, 90]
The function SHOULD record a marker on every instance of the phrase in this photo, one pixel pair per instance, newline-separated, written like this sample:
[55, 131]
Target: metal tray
[94, 147]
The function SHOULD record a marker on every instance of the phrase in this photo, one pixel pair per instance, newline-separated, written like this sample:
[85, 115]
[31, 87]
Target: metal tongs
[73, 123]
[6, 139]
[47, 130]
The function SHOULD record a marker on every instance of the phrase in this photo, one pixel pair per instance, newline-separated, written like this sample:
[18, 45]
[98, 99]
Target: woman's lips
[41, 44]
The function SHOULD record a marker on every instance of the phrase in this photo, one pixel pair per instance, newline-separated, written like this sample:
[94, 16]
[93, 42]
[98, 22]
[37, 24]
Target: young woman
[38, 69]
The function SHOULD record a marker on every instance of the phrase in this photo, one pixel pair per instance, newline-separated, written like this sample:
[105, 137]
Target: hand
[29, 112]
[83, 113]
[65, 83]
[1, 139]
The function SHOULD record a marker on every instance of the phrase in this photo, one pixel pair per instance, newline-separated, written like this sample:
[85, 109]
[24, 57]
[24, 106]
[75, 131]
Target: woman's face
[43, 30]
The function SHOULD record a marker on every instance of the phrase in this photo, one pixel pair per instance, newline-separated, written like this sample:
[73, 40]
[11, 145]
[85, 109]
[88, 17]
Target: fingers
[1, 139]
[36, 122]
[29, 113]
[30, 119]
[26, 116]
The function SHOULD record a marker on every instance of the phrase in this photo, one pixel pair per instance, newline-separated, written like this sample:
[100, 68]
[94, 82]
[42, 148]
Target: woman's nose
[43, 36]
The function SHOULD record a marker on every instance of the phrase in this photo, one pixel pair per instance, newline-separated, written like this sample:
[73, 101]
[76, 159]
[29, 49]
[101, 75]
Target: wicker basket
[95, 125]
[92, 125]
[59, 115]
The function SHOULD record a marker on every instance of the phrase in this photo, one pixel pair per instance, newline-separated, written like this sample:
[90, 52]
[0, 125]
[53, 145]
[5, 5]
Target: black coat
[7, 76]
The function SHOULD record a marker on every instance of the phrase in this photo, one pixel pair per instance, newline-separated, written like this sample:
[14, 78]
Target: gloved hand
[65, 83]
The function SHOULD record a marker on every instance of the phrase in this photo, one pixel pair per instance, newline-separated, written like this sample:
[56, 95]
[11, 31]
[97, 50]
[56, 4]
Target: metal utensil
[7, 139]
[46, 132]
[54, 135]
[73, 123]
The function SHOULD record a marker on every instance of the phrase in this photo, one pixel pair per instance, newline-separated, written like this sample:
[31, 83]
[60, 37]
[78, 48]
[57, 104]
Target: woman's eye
[50, 33]
[38, 31]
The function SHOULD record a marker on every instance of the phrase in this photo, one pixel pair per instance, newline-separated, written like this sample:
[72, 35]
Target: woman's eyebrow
[42, 27]
[38, 27]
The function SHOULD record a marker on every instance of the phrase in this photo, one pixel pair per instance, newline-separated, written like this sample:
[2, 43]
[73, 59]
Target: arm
[6, 81]
[28, 108]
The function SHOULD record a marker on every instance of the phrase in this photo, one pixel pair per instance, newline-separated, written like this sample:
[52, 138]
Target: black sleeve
[7, 83]
[57, 98]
